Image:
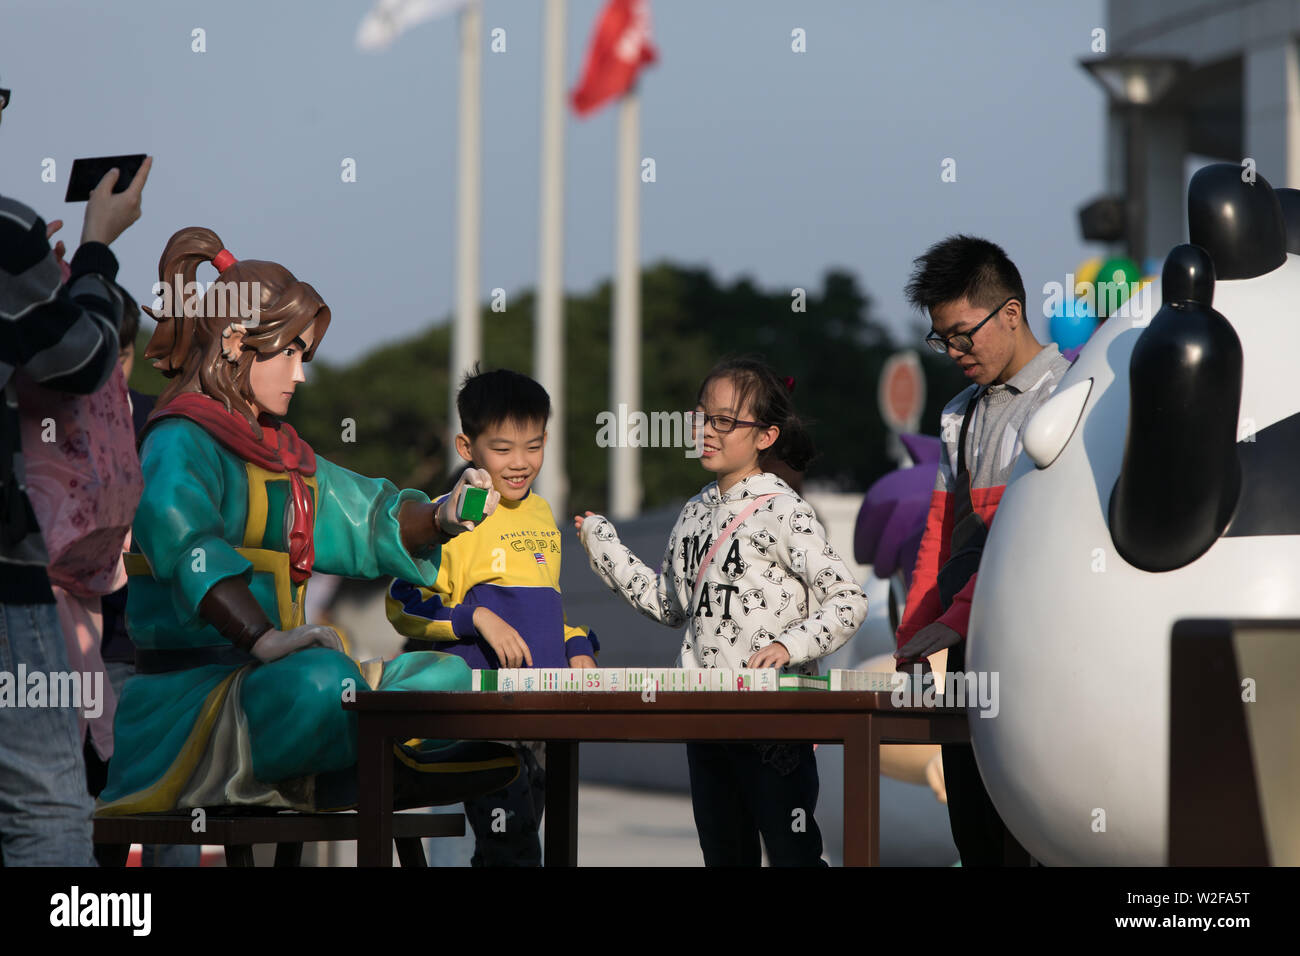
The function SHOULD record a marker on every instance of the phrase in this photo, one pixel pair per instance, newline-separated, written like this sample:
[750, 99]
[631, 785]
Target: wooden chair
[286, 829]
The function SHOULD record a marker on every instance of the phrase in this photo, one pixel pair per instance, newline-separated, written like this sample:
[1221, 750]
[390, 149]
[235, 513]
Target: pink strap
[708, 558]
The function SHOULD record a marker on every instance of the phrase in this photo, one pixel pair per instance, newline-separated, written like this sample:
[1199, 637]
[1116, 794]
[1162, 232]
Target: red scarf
[279, 449]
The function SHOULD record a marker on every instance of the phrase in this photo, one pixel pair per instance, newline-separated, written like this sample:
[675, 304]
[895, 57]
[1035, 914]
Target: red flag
[619, 48]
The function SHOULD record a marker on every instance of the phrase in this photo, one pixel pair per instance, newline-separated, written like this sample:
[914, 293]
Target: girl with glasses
[749, 573]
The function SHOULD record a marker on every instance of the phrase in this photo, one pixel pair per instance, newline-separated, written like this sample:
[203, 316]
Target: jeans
[505, 823]
[742, 790]
[44, 807]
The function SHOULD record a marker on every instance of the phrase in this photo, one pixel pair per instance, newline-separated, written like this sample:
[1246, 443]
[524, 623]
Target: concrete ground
[619, 826]
[616, 827]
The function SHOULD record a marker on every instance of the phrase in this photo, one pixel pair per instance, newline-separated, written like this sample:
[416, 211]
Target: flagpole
[467, 333]
[548, 339]
[625, 358]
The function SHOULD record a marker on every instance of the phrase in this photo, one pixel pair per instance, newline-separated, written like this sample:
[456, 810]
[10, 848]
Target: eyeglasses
[962, 340]
[5, 97]
[722, 424]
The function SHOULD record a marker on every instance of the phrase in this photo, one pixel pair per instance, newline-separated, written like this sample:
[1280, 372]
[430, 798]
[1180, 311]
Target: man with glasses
[975, 300]
[63, 336]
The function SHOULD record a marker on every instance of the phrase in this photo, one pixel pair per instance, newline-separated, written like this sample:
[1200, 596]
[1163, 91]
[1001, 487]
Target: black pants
[510, 838]
[742, 790]
[982, 838]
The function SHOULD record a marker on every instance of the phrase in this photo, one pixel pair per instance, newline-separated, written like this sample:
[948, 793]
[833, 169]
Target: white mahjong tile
[722, 678]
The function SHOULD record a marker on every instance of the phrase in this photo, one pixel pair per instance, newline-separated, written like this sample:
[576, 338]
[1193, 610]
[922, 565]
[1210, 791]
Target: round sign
[902, 391]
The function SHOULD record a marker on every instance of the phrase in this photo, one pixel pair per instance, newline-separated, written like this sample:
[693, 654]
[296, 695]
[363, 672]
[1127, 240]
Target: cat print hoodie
[775, 578]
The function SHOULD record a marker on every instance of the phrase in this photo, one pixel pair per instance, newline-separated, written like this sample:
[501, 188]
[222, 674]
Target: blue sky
[770, 163]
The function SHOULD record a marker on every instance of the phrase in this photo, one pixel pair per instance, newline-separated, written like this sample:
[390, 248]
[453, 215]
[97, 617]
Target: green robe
[256, 733]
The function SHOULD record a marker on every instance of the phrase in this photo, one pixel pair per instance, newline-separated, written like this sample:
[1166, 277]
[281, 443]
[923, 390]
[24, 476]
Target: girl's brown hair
[187, 348]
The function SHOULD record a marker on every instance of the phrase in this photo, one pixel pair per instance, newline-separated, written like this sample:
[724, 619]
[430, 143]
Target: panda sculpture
[1161, 481]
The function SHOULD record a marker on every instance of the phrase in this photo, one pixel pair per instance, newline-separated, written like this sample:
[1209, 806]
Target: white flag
[391, 17]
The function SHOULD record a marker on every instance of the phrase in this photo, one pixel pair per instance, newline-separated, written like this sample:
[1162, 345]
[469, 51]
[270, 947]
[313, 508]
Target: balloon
[1115, 280]
[1087, 270]
[1073, 321]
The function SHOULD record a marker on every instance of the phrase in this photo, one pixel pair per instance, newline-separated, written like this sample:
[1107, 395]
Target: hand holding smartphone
[114, 198]
[88, 173]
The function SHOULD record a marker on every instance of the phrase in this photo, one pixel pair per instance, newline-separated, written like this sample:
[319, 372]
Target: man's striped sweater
[994, 441]
[61, 336]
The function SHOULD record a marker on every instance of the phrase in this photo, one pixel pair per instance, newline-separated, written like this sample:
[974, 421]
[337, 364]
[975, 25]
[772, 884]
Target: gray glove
[928, 640]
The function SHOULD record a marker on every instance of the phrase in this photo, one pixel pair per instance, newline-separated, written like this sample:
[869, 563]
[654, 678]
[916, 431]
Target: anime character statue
[237, 699]
[1158, 484]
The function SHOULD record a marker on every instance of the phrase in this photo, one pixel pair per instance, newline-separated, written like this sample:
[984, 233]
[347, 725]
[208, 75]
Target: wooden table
[861, 721]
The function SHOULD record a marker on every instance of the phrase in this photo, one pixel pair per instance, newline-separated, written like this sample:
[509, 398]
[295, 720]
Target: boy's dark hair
[761, 390]
[501, 395]
[964, 266]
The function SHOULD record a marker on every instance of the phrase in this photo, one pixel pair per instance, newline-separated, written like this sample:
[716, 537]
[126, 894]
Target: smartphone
[86, 174]
[471, 506]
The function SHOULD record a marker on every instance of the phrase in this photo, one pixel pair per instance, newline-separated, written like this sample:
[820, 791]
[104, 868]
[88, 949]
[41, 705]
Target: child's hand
[510, 648]
[582, 661]
[578, 519]
[774, 655]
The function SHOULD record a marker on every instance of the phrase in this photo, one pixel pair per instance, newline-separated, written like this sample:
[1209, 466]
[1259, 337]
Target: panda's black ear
[1289, 199]
[1181, 476]
[1238, 221]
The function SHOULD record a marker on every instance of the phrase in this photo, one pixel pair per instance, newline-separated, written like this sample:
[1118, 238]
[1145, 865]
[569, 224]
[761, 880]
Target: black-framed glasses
[5, 97]
[722, 424]
[961, 341]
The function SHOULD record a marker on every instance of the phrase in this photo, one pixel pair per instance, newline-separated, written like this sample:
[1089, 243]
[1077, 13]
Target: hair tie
[789, 383]
[223, 260]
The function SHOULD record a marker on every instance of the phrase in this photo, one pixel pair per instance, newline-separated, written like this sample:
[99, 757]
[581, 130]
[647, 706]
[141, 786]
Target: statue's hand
[448, 516]
[274, 644]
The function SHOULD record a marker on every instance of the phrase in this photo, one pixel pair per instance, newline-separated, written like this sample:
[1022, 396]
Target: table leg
[862, 794]
[239, 854]
[288, 854]
[561, 803]
[375, 796]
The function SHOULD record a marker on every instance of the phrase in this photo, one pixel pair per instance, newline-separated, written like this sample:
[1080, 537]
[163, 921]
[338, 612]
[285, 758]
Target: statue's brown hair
[188, 348]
